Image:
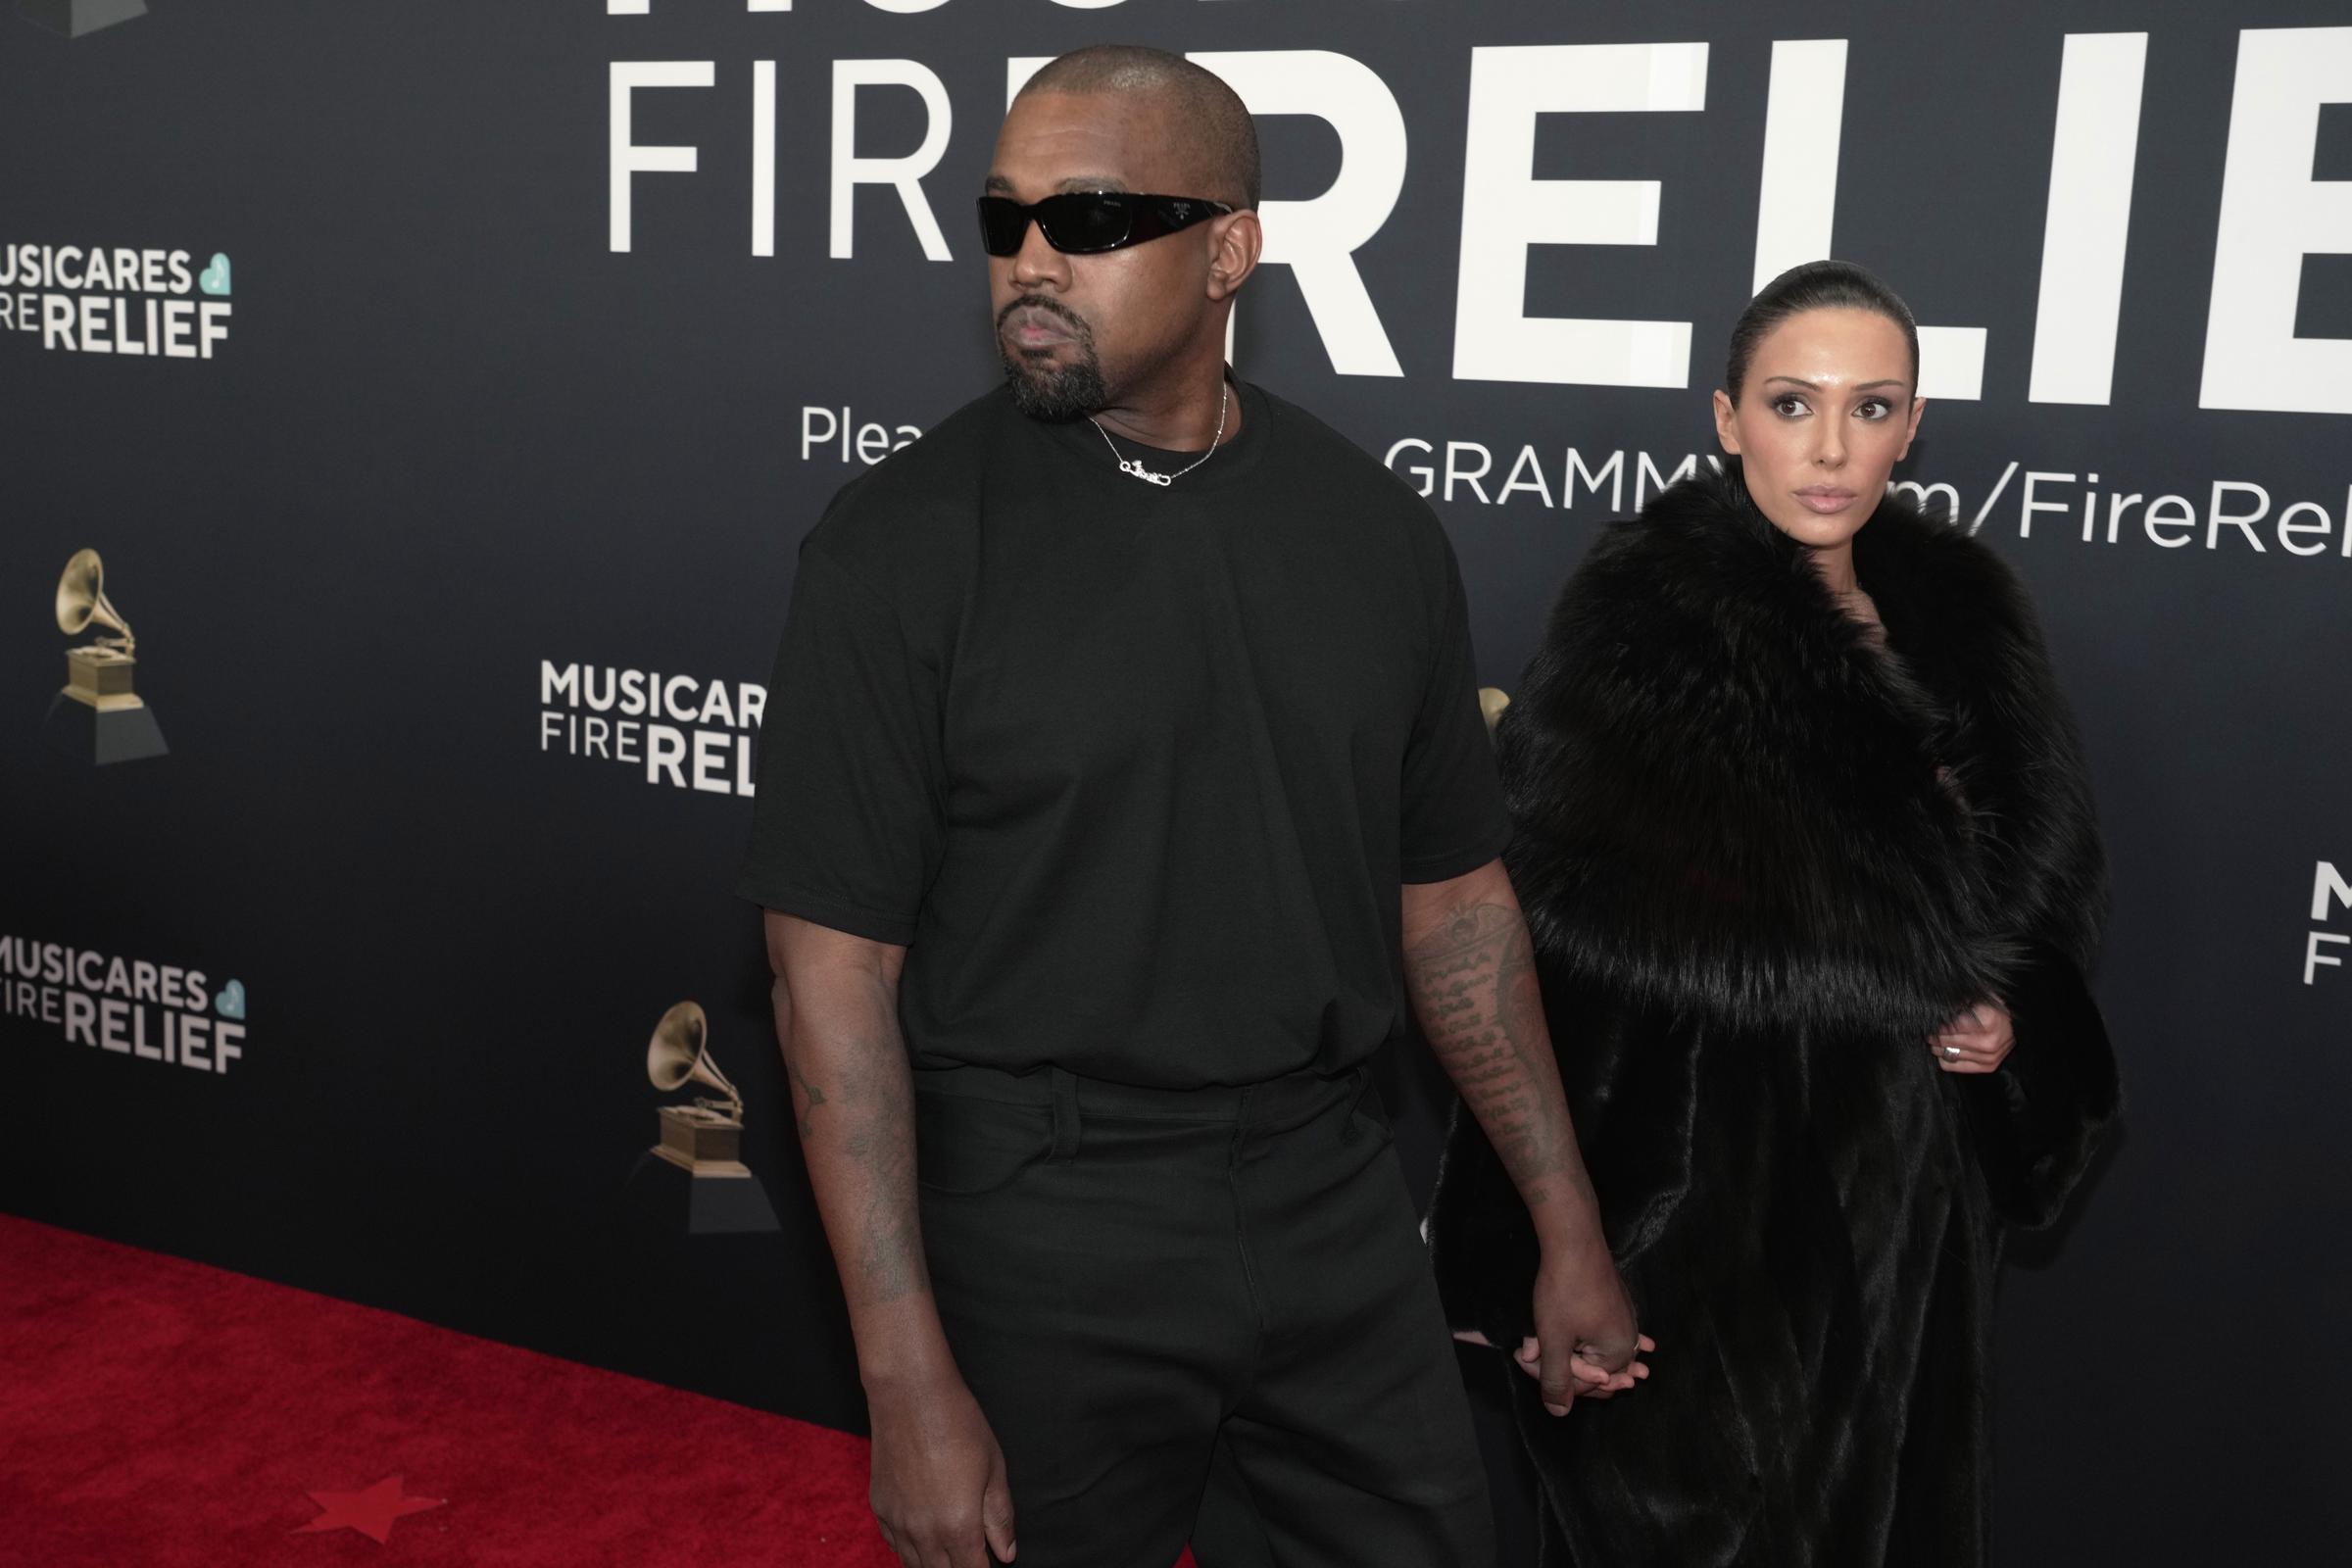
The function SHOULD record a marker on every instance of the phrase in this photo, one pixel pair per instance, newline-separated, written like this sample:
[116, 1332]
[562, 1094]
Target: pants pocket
[965, 1146]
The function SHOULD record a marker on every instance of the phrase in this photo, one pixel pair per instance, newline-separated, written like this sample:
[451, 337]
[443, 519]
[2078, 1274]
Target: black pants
[1202, 1315]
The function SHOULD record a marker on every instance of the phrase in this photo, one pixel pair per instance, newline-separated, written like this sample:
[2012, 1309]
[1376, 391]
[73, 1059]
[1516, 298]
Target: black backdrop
[452, 448]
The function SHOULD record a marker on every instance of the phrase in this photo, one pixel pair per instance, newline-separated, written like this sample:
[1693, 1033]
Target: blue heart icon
[229, 1000]
[214, 279]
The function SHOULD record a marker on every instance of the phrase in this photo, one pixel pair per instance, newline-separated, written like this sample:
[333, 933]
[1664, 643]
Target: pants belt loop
[1065, 1115]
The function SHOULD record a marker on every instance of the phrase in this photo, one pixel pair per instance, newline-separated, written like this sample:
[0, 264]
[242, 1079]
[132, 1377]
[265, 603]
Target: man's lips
[1825, 498]
[1036, 330]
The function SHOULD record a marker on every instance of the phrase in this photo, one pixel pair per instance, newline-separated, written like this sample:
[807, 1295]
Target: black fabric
[1199, 1315]
[1132, 772]
[1763, 858]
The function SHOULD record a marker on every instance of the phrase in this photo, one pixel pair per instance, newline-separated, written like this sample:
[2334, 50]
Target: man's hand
[1979, 1041]
[938, 1475]
[938, 1488]
[1470, 971]
[1587, 1340]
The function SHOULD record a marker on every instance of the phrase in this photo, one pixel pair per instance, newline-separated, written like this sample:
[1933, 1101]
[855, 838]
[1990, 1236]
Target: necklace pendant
[1135, 466]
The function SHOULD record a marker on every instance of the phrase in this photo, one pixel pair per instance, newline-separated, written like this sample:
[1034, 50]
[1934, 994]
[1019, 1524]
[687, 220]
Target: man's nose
[1037, 263]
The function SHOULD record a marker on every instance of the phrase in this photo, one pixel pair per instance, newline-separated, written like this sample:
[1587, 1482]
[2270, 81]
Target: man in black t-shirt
[1122, 740]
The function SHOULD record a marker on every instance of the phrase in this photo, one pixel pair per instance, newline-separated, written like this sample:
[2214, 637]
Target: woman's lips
[1827, 500]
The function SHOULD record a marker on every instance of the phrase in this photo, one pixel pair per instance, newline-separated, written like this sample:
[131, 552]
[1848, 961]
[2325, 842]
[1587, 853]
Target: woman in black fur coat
[1807, 850]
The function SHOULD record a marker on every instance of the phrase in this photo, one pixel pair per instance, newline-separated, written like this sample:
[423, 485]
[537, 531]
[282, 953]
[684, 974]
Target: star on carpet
[370, 1512]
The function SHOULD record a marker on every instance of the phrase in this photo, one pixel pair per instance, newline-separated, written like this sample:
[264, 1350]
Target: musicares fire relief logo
[121, 300]
[619, 716]
[2331, 895]
[157, 1013]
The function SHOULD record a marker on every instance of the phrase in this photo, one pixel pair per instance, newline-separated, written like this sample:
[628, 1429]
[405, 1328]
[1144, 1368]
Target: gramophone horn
[675, 1056]
[82, 597]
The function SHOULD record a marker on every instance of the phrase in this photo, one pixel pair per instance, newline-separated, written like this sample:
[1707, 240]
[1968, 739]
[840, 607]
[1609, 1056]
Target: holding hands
[1583, 1313]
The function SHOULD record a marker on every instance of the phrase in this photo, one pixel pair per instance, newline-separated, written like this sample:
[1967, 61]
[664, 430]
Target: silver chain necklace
[1135, 466]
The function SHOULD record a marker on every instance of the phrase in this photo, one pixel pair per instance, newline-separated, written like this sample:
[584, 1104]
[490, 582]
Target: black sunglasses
[1085, 223]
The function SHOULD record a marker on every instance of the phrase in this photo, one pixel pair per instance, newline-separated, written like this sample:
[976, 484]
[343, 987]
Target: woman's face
[1825, 413]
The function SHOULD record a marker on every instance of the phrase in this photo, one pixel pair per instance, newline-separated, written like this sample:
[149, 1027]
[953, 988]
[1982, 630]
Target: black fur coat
[1764, 859]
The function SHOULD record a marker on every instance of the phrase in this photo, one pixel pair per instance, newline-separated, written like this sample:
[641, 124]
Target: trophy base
[694, 1203]
[101, 677]
[75, 728]
[702, 1141]
[719, 1169]
[75, 18]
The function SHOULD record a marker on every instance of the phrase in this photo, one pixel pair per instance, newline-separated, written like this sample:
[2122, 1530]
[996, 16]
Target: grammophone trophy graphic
[98, 718]
[694, 1179]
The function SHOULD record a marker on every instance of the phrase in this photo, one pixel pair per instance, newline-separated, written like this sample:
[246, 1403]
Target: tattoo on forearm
[810, 1096]
[890, 1254]
[1473, 984]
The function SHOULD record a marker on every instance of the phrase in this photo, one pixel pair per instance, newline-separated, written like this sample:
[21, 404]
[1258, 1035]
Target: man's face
[1078, 332]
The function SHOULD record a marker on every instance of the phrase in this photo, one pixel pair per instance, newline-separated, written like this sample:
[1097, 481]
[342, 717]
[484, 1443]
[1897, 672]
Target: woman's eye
[1874, 409]
[1789, 407]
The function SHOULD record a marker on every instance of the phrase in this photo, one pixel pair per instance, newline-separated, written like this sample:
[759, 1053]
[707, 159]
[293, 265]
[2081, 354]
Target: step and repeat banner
[409, 414]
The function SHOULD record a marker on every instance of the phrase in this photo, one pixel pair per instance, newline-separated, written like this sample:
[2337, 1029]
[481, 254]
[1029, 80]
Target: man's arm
[1469, 968]
[938, 1475]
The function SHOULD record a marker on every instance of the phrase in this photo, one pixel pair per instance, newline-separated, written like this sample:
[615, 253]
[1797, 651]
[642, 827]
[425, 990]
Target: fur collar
[1730, 804]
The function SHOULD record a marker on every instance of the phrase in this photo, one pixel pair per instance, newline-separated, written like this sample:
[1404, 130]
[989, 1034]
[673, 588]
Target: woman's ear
[1726, 422]
[1919, 406]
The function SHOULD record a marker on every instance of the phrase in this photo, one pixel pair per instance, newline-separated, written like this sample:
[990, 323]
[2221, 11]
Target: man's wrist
[1568, 1226]
[906, 1364]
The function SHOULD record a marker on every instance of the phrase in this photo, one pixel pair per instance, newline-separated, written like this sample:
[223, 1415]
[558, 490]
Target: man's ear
[1236, 240]
[1727, 426]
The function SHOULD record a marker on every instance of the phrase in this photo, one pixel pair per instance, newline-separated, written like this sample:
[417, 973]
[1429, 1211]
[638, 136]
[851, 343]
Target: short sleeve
[1455, 818]
[849, 818]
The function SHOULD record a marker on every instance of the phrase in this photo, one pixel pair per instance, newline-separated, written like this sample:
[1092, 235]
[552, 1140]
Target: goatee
[1043, 389]
[1056, 393]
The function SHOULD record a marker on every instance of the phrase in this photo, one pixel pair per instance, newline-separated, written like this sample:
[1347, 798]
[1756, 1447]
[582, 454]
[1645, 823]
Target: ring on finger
[1951, 1053]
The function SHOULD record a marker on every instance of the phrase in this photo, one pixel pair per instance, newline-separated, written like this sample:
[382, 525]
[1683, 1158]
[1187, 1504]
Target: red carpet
[156, 1412]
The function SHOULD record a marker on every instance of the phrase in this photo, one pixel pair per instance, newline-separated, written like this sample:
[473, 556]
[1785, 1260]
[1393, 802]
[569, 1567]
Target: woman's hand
[1593, 1381]
[1979, 1041]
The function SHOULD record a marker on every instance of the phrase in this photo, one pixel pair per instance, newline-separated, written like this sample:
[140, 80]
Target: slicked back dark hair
[1210, 110]
[1815, 286]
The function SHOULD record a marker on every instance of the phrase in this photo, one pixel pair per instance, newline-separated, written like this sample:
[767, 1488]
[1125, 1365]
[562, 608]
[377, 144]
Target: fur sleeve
[2037, 1122]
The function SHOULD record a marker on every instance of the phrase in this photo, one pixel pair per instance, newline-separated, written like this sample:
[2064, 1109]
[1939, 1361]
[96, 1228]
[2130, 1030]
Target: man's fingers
[964, 1547]
[1560, 1382]
[1602, 1358]
[1473, 1337]
[1646, 1342]
[995, 1511]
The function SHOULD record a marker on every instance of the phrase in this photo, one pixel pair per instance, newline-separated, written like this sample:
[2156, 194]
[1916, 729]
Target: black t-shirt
[1133, 772]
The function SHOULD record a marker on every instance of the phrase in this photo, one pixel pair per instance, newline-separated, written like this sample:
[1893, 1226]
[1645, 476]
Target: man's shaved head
[1210, 115]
